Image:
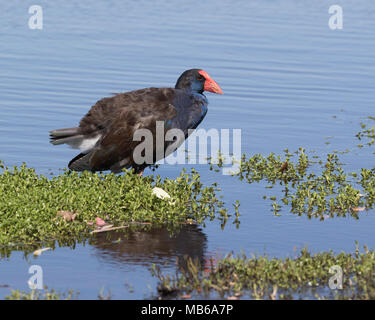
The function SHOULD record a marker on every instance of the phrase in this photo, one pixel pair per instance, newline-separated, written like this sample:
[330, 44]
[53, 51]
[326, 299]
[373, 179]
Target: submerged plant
[329, 192]
[307, 275]
[36, 210]
[44, 294]
[366, 133]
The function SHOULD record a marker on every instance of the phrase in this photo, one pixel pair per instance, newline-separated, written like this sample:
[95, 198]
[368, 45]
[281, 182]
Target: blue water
[288, 81]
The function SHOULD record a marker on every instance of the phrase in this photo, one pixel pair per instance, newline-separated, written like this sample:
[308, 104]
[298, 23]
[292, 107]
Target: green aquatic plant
[367, 133]
[305, 276]
[30, 203]
[44, 294]
[327, 192]
[324, 275]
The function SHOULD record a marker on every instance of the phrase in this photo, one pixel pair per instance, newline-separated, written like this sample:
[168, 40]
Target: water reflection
[151, 245]
[289, 82]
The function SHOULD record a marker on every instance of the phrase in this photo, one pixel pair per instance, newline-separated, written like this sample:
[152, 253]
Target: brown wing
[106, 110]
[115, 149]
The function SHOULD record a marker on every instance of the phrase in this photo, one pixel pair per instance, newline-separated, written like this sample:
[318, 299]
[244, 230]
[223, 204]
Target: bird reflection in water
[149, 245]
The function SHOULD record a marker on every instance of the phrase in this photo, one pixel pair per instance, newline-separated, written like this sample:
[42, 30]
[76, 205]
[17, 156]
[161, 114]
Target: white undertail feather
[74, 138]
[85, 145]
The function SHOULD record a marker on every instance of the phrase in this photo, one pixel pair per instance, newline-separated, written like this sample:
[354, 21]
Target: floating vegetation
[366, 133]
[328, 193]
[306, 276]
[324, 275]
[44, 294]
[37, 211]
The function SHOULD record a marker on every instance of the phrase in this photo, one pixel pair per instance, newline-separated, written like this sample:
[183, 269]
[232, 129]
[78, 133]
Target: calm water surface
[289, 81]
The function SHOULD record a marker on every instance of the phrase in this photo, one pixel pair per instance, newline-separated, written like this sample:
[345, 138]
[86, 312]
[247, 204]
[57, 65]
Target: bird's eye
[201, 78]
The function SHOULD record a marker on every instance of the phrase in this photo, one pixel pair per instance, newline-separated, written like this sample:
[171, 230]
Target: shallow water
[288, 81]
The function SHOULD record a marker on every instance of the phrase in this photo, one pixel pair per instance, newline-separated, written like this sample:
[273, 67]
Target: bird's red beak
[210, 84]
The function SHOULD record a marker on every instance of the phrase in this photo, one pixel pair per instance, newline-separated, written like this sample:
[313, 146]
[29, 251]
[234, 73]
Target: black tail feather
[80, 162]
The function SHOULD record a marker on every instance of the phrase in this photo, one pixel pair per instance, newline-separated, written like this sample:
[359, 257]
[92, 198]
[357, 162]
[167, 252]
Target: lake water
[289, 81]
